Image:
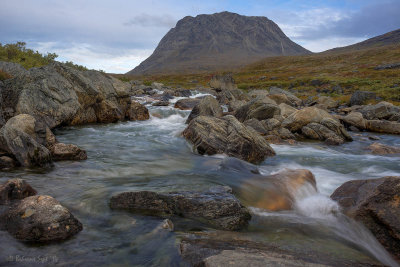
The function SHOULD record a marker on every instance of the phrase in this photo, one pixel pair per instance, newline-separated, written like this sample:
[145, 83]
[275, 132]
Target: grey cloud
[147, 20]
[368, 22]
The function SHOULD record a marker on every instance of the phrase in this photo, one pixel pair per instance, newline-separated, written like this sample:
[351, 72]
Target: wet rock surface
[15, 189]
[39, 219]
[376, 203]
[227, 135]
[216, 207]
[187, 103]
[208, 106]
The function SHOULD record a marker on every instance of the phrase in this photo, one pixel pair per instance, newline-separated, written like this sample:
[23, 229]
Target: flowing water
[151, 155]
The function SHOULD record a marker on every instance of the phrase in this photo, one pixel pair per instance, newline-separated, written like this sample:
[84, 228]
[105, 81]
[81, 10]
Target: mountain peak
[222, 40]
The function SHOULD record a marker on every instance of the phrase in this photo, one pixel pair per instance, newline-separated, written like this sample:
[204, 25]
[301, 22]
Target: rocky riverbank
[221, 120]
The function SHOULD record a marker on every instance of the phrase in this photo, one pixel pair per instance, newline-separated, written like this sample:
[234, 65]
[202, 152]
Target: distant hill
[219, 41]
[390, 38]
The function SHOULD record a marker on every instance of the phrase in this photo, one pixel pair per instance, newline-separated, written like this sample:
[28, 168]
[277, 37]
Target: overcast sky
[117, 35]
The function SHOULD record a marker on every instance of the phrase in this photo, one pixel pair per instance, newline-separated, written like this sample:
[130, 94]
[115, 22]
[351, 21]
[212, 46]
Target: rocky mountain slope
[222, 40]
[390, 38]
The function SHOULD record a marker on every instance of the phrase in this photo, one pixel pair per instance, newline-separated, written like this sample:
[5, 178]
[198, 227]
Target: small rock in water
[167, 224]
[373, 137]
[15, 189]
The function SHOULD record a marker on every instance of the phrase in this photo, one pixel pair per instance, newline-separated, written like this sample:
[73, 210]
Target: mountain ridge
[220, 40]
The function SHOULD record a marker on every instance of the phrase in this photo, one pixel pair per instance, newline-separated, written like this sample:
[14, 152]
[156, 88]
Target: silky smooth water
[151, 155]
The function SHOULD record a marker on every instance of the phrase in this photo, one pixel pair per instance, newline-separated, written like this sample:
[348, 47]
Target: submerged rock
[376, 203]
[381, 149]
[216, 207]
[39, 219]
[208, 106]
[278, 191]
[15, 189]
[227, 135]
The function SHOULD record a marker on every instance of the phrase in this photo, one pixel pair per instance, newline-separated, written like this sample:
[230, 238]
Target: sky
[116, 35]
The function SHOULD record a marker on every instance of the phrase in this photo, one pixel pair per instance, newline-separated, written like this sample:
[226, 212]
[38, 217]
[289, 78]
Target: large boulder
[380, 111]
[355, 119]
[60, 95]
[227, 135]
[286, 110]
[15, 189]
[257, 109]
[292, 98]
[383, 126]
[39, 219]
[216, 207]
[276, 192]
[376, 203]
[360, 97]
[208, 106]
[187, 103]
[327, 102]
[226, 96]
[137, 112]
[14, 69]
[25, 138]
[304, 116]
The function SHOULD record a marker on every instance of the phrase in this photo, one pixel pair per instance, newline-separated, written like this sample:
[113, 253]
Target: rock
[380, 111]
[158, 86]
[337, 89]
[375, 203]
[294, 99]
[7, 163]
[235, 105]
[62, 151]
[286, 110]
[258, 93]
[183, 93]
[388, 66]
[137, 112]
[381, 149]
[160, 104]
[25, 138]
[257, 109]
[39, 219]
[256, 125]
[187, 103]
[15, 189]
[238, 165]
[359, 97]
[227, 135]
[271, 124]
[208, 106]
[318, 131]
[327, 102]
[222, 82]
[381, 126]
[280, 98]
[216, 207]
[355, 119]
[14, 69]
[226, 96]
[59, 95]
[316, 82]
[276, 192]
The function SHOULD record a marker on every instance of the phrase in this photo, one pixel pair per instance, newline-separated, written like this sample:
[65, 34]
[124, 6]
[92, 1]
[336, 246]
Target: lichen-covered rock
[292, 98]
[208, 106]
[226, 135]
[359, 97]
[381, 111]
[327, 102]
[286, 110]
[15, 189]
[137, 112]
[39, 219]
[257, 109]
[376, 203]
[107, 111]
[61, 151]
[355, 119]
[216, 207]
[25, 138]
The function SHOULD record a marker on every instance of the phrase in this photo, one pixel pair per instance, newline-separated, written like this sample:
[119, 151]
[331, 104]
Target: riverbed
[152, 155]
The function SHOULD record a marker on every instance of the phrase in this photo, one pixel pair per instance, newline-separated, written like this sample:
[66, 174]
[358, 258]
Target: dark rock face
[227, 135]
[186, 103]
[208, 106]
[59, 95]
[257, 109]
[359, 97]
[376, 203]
[25, 139]
[216, 207]
[217, 41]
[15, 189]
[39, 219]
